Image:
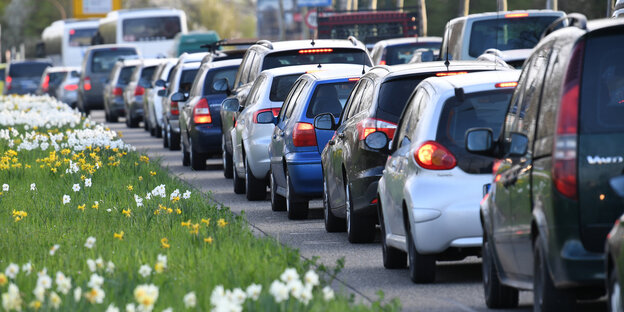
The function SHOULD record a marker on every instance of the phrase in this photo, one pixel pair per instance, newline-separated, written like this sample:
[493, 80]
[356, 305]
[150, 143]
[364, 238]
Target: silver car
[431, 187]
[152, 101]
[254, 126]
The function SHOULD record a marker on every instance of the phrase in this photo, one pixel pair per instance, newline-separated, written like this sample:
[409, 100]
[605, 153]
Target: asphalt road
[458, 284]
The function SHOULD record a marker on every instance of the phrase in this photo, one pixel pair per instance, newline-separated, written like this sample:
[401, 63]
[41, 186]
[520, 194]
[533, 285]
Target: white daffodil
[328, 293]
[186, 194]
[112, 308]
[311, 278]
[190, 300]
[76, 187]
[54, 249]
[279, 291]
[33, 187]
[91, 264]
[253, 291]
[66, 199]
[95, 281]
[146, 295]
[90, 242]
[145, 270]
[5, 187]
[11, 271]
[11, 300]
[55, 300]
[77, 294]
[289, 275]
[27, 268]
[63, 283]
[87, 182]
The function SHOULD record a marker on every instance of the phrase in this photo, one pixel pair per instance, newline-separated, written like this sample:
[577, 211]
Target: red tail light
[46, 83]
[516, 15]
[511, 84]
[275, 111]
[87, 83]
[71, 87]
[201, 113]
[304, 135]
[370, 125]
[444, 74]
[564, 155]
[139, 90]
[8, 82]
[118, 91]
[433, 156]
[174, 108]
[382, 62]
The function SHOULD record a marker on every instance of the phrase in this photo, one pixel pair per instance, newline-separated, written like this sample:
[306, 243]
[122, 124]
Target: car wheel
[239, 184]
[113, 117]
[421, 267]
[359, 229]
[174, 140]
[332, 223]
[278, 203]
[497, 295]
[159, 132]
[615, 293]
[545, 296]
[392, 258]
[227, 160]
[297, 209]
[198, 161]
[186, 158]
[254, 188]
[146, 125]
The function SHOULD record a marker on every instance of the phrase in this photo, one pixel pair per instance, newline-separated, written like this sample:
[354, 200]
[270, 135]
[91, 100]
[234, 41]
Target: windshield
[151, 28]
[507, 33]
[81, 37]
[104, 60]
[329, 98]
[302, 57]
[402, 54]
[213, 75]
[20, 70]
[281, 86]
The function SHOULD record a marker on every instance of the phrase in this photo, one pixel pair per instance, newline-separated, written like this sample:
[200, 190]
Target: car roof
[224, 63]
[192, 57]
[129, 62]
[278, 46]
[288, 70]
[604, 23]
[501, 14]
[337, 71]
[386, 71]
[111, 46]
[473, 82]
[152, 61]
[193, 65]
[399, 41]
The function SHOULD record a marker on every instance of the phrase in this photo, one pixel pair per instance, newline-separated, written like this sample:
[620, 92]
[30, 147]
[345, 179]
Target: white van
[65, 41]
[151, 30]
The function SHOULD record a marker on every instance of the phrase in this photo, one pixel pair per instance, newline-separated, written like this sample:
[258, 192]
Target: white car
[254, 126]
[153, 101]
[431, 187]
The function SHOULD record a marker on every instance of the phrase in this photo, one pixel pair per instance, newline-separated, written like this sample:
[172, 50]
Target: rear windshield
[402, 54]
[507, 33]
[281, 86]
[81, 37]
[20, 70]
[186, 80]
[329, 98]
[478, 110]
[56, 78]
[213, 75]
[393, 96]
[602, 93]
[104, 60]
[300, 57]
[125, 75]
[151, 28]
[146, 75]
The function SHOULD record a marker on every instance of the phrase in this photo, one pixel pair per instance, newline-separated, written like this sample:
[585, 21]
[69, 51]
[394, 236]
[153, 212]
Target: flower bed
[87, 223]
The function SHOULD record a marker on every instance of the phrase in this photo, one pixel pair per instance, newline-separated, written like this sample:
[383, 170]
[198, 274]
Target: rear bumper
[364, 191]
[306, 173]
[206, 139]
[136, 106]
[92, 100]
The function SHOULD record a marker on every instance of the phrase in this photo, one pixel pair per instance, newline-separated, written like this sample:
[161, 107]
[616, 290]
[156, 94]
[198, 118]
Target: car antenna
[312, 43]
[446, 62]
[363, 69]
[319, 66]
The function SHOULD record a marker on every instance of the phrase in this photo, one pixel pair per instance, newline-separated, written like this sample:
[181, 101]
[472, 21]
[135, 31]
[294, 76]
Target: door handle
[331, 142]
[341, 135]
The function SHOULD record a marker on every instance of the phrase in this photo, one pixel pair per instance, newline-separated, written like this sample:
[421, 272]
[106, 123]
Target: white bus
[65, 41]
[151, 30]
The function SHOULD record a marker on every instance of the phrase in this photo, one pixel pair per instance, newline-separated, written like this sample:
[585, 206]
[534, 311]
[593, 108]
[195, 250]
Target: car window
[104, 60]
[393, 96]
[354, 100]
[146, 74]
[244, 64]
[281, 85]
[125, 74]
[299, 101]
[407, 123]
[290, 98]
[511, 116]
[247, 69]
[452, 39]
[402, 54]
[20, 70]
[186, 79]
[329, 98]
[367, 98]
[256, 90]
[255, 69]
[198, 83]
[310, 56]
[215, 74]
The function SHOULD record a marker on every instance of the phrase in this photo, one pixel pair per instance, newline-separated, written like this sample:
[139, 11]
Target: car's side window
[256, 90]
[367, 97]
[405, 125]
[548, 110]
[255, 68]
[301, 98]
[246, 61]
[247, 69]
[289, 99]
[516, 101]
[353, 100]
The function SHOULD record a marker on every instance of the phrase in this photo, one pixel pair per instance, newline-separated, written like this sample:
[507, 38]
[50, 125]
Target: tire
[197, 160]
[174, 140]
[497, 295]
[165, 136]
[113, 117]
[227, 160]
[186, 157]
[545, 296]
[146, 126]
[392, 258]
[152, 129]
[333, 224]
[239, 184]
[131, 122]
[360, 229]
[421, 267]
[255, 189]
[297, 209]
[614, 292]
[278, 203]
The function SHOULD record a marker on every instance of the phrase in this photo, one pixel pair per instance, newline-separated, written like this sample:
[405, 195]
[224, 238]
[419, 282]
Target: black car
[200, 119]
[23, 77]
[374, 106]
[550, 206]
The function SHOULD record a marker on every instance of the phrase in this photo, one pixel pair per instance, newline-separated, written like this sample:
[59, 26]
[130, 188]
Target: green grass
[235, 258]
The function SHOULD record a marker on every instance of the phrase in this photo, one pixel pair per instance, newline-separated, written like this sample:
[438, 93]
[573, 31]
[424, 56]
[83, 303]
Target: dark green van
[191, 41]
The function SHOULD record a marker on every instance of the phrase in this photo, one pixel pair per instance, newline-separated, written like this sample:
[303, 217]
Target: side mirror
[325, 121]
[221, 85]
[519, 144]
[230, 105]
[617, 184]
[178, 97]
[240, 108]
[479, 140]
[376, 140]
[160, 83]
[162, 92]
[265, 117]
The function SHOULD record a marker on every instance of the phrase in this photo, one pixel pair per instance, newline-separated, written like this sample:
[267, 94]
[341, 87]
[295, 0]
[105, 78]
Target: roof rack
[574, 20]
[213, 47]
[353, 40]
[265, 43]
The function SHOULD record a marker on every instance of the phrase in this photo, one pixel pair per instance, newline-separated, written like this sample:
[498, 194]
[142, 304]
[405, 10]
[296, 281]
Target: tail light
[315, 51]
[139, 90]
[564, 154]
[275, 111]
[8, 82]
[174, 108]
[71, 87]
[370, 125]
[516, 15]
[46, 83]
[433, 156]
[118, 91]
[382, 62]
[201, 113]
[511, 84]
[445, 74]
[304, 135]
[87, 83]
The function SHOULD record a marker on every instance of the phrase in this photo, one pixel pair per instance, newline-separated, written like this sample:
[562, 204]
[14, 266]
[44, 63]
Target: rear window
[20, 70]
[301, 57]
[125, 74]
[81, 37]
[281, 86]
[56, 78]
[393, 96]
[329, 98]
[146, 75]
[104, 60]
[150, 28]
[602, 93]
[402, 54]
[213, 75]
[186, 80]
[477, 110]
[507, 33]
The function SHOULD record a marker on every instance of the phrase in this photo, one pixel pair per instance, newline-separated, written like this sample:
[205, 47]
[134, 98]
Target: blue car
[295, 149]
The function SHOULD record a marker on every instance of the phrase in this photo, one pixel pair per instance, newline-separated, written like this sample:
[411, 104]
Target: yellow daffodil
[82, 177]
[119, 235]
[130, 187]
[136, 163]
[159, 267]
[169, 210]
[187, 223]
[164, 242]
[35, 305]
[53, 170]
[96, 205]
[222, 223]
[152, 173]
[81, 207]
[3, 279]
[175, 199]
[157, 211]
[144, 159]
[140, 178]
[127, 212]
[206, 221]
[178, 211]
[208, 239]
[194, 229]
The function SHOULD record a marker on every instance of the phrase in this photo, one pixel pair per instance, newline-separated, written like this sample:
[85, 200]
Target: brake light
[8, 82]
[382, 62]
[201, 113]
[71, 87]
[511, 84]
[444, 74]
[370, 125]
[516, 15]
[275, 111]
[139, 90]
[118, 91]
[46, 83]
[174, 108]
[354, 79]
[315, 51]
[87, 83]
[433, 156]
[564, 152]
[304, 135]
